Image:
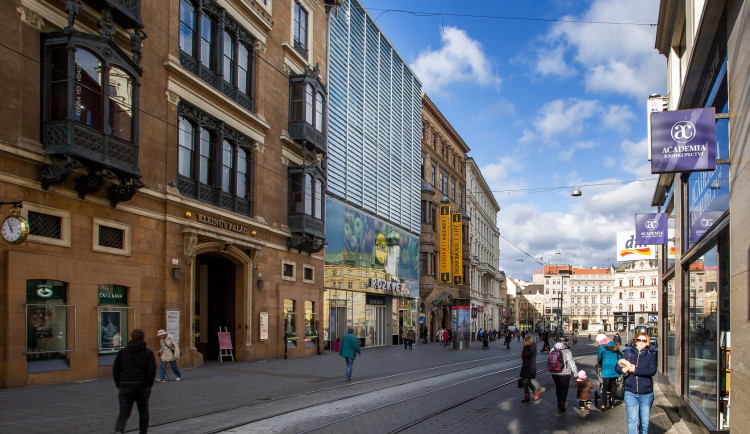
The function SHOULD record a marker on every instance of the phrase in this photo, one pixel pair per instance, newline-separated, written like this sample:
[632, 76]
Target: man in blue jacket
[349, 349]
[134, 371]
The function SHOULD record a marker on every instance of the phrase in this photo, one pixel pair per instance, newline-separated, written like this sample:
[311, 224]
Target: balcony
[126, 13]
[302, 132]
[308, 233]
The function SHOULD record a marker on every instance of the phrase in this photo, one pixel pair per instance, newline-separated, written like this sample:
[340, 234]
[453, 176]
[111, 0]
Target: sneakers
[161, 381]
[536, 395]
[178, 379]
[526, 399]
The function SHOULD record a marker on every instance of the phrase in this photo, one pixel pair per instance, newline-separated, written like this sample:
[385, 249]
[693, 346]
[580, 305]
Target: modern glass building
[373, 185]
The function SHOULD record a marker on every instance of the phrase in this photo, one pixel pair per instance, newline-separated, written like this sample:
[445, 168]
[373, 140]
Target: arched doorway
[215, 278]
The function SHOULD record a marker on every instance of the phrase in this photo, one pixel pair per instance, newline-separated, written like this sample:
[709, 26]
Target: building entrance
[375, 319]
[214, 302]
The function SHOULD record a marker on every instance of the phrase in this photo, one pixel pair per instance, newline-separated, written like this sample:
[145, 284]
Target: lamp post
[563, 274]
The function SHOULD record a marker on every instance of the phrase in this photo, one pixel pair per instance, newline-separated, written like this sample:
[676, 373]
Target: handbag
[618, 391]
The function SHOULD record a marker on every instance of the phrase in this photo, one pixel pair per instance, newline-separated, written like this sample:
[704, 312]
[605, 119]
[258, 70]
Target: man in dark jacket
[528, 370]
[134, 371]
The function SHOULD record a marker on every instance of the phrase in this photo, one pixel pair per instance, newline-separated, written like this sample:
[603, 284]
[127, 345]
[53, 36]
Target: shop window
[115, 321]
[290, 329]
[47, 225]
[49, 321]
[111, 237]
[311, 325]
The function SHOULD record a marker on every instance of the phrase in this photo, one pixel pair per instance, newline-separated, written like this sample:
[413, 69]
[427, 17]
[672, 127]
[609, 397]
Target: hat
[161, 333]
[582, 375]
[605, 341]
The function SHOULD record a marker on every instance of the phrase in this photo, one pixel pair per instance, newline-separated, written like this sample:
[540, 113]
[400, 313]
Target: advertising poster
[457, 248]
[110, 326]
[629, 250]
[444, 243]
[264, 326]
[462, 324]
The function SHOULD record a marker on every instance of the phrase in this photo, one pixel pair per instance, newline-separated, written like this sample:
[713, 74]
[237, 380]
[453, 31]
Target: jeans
[163, 371]
[127, 397]
[638, 405]
[562, 384]
[349, 366]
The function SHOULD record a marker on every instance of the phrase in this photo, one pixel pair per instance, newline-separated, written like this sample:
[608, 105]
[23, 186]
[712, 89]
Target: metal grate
[111, 237]
[288, 270]
[309, 273]
[45, 225]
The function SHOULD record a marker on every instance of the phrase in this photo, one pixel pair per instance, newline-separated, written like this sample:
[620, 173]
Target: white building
[484, 237]
[636, 292]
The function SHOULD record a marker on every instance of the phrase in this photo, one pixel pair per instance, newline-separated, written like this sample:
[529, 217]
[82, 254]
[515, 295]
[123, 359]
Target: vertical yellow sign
[444, 243]
[457, 248]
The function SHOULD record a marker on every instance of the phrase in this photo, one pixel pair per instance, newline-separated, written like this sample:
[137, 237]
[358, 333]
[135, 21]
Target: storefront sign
[444, 243]
[651, 228]
[392, 287]
[683, 140]
[173, 323]
[113, 295]
[41, 290]
[701, 222]
[219, 223]
[629, 250]
[263, 326]
[457, 248]
[376, 300]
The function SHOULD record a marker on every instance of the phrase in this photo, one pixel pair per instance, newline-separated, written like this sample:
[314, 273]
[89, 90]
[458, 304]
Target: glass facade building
[373, 184]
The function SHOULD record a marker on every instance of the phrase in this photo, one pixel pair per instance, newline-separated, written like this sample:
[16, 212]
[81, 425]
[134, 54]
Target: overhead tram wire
[548, 189]
[522, 250]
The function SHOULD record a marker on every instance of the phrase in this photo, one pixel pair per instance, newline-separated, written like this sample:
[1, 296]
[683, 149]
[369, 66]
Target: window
[432, 176]
[311, 325]
[217, 49]
[290, 326]
[307, 102]
[221, 178]
[300, 29]
[306, 191]
[111, 237]
[308, 274]
[47, 325]
[287, 271]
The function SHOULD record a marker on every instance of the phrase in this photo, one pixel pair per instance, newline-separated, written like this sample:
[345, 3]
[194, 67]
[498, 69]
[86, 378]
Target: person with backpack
[562, 367]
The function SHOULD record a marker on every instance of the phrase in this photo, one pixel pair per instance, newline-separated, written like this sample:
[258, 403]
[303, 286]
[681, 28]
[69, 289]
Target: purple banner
[651, 228]
[683, 140]
[701, 222]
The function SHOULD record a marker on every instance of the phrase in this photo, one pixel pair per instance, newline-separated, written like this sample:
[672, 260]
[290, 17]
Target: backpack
[555, 362]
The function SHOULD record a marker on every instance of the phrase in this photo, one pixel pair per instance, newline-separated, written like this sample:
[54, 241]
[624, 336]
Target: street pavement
[91, 406]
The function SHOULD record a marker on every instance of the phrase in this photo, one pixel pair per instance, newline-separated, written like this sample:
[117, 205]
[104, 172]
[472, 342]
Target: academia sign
[651, 228]
[683, 140]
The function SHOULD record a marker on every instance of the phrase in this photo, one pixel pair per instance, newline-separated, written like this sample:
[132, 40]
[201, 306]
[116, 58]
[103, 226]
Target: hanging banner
[629, 250]
[457, 248]
[444, 243]
[683, 140]
[651, 228]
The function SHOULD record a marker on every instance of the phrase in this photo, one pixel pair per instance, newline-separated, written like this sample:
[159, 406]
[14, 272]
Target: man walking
[134, 371]
[349, 350]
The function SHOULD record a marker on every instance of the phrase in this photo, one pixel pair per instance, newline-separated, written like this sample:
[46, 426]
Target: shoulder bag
[618, 391]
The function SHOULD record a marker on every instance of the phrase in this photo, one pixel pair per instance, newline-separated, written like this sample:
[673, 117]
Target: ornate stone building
[170, 158]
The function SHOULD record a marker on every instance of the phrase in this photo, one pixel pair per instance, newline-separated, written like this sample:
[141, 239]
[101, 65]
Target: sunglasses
[641, 340]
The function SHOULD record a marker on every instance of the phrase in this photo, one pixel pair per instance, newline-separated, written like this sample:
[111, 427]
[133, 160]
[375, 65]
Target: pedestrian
[545, 339]
[508, 338]
[640, 365]
[566, 370]
[486, 341]
[169, 352]
[439, 335]
[528, 370]
[349, 350]
[617, 339]
[424, 334]
[405, 338]
[609, 354]
[412, 336]
[446, 337]
[599, 336]
[450, 336]
[479, 334]
[584, 386]
[134, 371]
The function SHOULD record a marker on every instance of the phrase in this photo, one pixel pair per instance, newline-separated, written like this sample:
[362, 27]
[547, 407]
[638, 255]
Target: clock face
[14, 230]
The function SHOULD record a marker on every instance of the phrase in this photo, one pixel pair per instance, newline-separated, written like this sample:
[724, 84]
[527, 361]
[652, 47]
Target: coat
[570, 367]
[169, 350]
[411, 334]
[134, 366]
[349, 347]
[528, 365]
[584, 389]
[641, 381]
[608, 356]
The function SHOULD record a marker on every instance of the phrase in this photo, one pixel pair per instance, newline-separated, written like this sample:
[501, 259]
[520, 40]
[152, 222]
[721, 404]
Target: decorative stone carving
[30, 16]
[73, 7]
[285, 161]
[260, 46]
[106, 24]
[173, 98]
[191, 242]
[260, 147]
[287, 69]
[136, 44]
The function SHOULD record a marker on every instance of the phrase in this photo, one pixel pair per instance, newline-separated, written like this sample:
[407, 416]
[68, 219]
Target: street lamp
[563, 274]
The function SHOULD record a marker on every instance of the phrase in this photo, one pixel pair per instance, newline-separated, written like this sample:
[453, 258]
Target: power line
[590, 184]
[522, 251]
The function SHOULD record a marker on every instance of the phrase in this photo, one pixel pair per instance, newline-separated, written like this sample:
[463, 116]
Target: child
[584, 391]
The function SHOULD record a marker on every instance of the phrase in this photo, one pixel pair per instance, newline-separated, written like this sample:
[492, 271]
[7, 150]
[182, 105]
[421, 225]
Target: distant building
[635, 299]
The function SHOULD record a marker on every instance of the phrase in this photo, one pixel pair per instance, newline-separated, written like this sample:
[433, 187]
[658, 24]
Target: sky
[549, 96]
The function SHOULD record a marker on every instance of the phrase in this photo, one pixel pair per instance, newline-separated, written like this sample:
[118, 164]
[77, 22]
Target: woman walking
[609, 354]
[640, 365]
[528, 370]
[563, 372]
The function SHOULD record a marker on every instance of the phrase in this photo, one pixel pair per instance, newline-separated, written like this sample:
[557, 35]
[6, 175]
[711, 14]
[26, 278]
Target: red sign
[225, 342]
[480, 309]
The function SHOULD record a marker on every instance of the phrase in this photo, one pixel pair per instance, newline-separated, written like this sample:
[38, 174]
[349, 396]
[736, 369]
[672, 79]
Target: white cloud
[461, 59]
[564, 117]
[618, 118]
[500, 109]
[551, 62]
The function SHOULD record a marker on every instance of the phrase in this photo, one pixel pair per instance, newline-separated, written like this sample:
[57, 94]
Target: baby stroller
[599, 393]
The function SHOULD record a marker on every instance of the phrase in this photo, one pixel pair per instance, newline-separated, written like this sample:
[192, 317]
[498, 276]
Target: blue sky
[550, 97]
